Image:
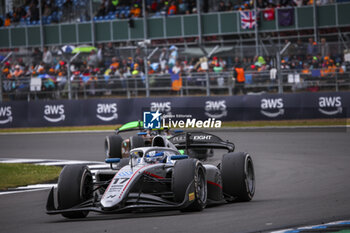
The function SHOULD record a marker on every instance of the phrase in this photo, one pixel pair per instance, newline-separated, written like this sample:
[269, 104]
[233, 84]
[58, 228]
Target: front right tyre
[75, 186]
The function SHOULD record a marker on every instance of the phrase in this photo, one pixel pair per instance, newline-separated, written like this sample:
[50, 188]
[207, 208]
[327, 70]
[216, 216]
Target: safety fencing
[105, 111]
[34, 88]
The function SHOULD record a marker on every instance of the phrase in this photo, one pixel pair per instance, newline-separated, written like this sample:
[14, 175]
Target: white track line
[49, 162]
[58, 132]
[21, 191]
[4, 160]
[29, 188]
[37, 186]
[60, 163]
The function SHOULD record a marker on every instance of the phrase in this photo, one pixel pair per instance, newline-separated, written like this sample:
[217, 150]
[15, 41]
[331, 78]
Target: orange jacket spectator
[340, 69]
[135, 11]
[172, 9]
[7, 22]
[6, 73]
[115, 65]
[240, 75]
[331, 69]
[18, 71]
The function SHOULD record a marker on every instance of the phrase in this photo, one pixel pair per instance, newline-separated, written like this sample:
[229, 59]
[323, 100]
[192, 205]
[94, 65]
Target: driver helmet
[155, 157]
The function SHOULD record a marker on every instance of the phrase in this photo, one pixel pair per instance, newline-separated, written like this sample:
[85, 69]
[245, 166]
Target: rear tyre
[136, 141]
[238, 178]
[75, 185]
[186, 172]
[113, 146]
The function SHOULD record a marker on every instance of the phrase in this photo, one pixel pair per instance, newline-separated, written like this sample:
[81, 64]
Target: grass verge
[19, 174]
[313, 122]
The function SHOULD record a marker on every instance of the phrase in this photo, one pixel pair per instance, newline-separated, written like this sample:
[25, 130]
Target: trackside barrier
[42, 113]
[193, 84]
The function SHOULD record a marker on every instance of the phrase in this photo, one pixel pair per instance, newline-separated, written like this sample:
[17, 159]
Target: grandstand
[182, 47]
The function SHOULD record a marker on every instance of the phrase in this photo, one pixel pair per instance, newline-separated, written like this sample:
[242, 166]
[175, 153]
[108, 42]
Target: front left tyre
[75, 186]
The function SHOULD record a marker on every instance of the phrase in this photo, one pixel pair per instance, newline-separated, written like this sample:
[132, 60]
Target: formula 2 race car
[156, 178]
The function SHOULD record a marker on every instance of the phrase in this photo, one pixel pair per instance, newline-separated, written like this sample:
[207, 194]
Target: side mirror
[178, 131]
[112, 160]
[179, 157]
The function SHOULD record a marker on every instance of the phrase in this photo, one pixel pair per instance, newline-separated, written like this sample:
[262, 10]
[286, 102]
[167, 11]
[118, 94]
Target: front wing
[134, 201]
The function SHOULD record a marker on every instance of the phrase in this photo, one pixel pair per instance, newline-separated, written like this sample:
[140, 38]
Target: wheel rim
[201, 187]
[87, 188]
[250, 177]
[107, 147]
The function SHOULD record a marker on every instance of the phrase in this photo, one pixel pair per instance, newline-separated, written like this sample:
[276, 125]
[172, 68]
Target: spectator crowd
[105, 67]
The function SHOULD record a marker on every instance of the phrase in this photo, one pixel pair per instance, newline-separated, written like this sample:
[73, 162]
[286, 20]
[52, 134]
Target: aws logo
[163, 107]
[215, 109]
[5, 115]
[330, 105]
[54, 113]
[160, 106]
[272, 107]
[107, 112]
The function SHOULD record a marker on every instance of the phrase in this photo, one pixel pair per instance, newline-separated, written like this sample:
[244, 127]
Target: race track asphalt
[302, 178]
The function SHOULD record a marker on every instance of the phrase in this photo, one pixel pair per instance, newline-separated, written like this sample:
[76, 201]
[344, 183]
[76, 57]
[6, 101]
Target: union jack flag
[248, 19]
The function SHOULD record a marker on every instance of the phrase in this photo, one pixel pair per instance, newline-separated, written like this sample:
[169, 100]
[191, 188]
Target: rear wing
[200, 140]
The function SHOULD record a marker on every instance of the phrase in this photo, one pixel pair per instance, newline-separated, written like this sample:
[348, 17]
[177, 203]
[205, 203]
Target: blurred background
[57, 49]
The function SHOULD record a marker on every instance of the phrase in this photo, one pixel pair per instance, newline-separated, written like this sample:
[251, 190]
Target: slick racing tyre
[238, 179]
[75, 186]
[113, 146]
[186, 172]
